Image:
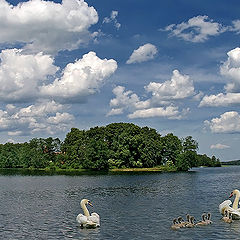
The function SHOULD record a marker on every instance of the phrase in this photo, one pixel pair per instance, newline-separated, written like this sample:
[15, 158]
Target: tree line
[117, 145]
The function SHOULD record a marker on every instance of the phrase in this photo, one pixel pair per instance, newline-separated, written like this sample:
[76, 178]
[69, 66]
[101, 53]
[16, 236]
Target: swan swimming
[175, 225]
[227, 217]
[234, 210]
[203, 222]
[87, 220]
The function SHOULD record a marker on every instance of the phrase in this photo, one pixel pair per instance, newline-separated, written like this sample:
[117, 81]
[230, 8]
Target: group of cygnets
[190, 222]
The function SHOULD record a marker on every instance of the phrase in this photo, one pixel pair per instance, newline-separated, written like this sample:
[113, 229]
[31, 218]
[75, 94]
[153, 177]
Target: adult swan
[234, 210]
[87, 220]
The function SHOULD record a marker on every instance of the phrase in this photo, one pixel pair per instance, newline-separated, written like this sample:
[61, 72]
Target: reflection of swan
[234, 210]
[87, 220]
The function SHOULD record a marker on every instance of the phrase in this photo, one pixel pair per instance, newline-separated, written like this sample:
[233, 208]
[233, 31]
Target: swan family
[231, 208]
[190, 221]
[86, 220]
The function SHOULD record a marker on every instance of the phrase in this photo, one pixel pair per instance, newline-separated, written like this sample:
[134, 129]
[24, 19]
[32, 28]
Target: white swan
[87, 220]
[234, 210]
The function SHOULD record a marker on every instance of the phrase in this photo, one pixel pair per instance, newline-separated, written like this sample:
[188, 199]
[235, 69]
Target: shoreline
[114, 170]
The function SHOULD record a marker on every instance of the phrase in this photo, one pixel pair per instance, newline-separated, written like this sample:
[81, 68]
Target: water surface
[131, 206]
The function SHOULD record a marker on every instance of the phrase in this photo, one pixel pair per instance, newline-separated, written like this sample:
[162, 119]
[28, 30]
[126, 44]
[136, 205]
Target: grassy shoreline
[114, 170]
[152, 169]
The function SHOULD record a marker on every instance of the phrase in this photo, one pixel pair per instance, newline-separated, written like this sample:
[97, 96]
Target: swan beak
[231, 195]
[90, 204]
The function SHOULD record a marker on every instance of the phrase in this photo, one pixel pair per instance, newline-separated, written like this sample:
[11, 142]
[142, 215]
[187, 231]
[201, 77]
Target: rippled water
[131, 206]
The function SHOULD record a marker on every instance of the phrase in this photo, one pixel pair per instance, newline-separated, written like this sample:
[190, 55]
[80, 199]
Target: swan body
[234, 210]
[86, 220]
[208, 220]
[203, 222]
[227, 218]
[191, 222]
[175, 225]
[181, 223]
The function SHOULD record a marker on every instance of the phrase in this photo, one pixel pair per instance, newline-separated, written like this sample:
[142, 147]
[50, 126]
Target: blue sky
[170, 65]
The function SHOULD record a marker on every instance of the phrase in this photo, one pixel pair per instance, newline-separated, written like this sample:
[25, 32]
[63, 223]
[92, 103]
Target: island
[115, 147]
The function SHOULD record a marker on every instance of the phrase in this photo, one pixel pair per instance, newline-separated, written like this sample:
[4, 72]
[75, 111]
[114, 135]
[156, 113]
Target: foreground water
[131, 206]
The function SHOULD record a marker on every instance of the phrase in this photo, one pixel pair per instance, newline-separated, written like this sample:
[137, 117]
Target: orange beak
[231, 195]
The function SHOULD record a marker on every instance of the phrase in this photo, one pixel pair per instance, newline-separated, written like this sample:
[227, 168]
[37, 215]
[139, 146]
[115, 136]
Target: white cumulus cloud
[196, 29]
[81, 78]
[21, 74]
[228, 122]
[44, 117]
[179, 87]
[162, 103]
[220, 99]
[143, 54]
[170, 112]
[230, 69]
[45, 25]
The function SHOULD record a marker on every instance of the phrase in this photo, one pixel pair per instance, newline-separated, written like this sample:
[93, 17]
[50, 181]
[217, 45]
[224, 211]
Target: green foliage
[117, 145]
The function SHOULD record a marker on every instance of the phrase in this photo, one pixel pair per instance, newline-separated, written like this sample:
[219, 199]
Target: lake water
[131, 206]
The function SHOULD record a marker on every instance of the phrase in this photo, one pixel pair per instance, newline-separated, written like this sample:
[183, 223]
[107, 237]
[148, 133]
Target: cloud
[179, 87]
[80, 79]
[230, 69]
[143, 54]
[44, 117]
[219, 146]
[236, 26]
[220, 100]
[25, 77]
[160, 104]
[22, 74]
[115, 111]
[196, 29]
[170, 112]
[228, 122]
[113, 19]
[127, 98]
[47, 26]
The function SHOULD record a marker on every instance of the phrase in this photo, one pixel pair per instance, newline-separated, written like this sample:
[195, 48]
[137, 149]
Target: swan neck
[85, 210]
[236, 200]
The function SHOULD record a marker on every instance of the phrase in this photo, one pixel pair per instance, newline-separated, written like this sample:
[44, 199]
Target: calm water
[136, 206]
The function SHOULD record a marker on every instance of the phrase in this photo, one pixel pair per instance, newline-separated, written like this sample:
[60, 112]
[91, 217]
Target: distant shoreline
[114, 170]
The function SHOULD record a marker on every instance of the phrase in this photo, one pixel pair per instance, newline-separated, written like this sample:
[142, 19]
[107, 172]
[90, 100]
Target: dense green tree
[171, 148]
[117, 145]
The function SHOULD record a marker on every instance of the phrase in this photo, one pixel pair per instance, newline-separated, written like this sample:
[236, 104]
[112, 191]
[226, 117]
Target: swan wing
[235, 214]
[95, 218]
[81, 219]
[224, 205]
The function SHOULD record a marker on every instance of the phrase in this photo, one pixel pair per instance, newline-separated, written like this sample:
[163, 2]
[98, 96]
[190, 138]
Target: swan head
[234, 192]
[174, 221]
[180, 219]
[192, 219]
[86, 202]
[204, 216]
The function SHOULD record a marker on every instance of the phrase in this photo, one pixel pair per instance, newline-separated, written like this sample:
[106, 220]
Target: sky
[170, 65]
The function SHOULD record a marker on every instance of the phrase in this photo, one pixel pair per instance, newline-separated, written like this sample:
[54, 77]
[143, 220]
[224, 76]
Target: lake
[131, 206]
